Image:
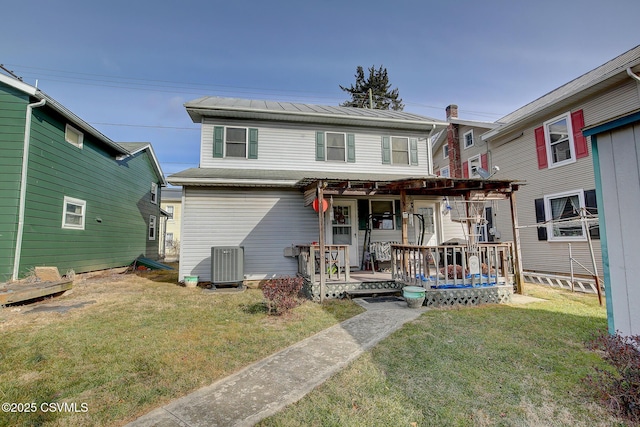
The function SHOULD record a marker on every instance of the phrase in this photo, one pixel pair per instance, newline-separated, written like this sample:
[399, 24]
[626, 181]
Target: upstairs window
[154, 193]
[73, 136]
[235, 142]
[473, 165]
[559, 141]
[468, 139]
[336, 146]
[444, 172]
[169, 210]
[445, 151]
[73, 214]
[399, 151]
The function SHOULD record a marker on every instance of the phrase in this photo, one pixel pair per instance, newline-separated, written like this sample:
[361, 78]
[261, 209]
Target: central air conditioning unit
[227, 265]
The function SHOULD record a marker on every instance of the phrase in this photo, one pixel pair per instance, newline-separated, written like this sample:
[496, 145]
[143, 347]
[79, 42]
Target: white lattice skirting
[468, 296]
[580, 284]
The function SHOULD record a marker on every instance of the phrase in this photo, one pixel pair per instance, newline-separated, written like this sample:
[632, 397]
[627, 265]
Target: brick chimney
[453, 140]
[452, 111]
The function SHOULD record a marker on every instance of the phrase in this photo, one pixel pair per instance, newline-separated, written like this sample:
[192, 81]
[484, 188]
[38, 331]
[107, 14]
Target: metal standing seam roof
[617, 65]
[212, 106]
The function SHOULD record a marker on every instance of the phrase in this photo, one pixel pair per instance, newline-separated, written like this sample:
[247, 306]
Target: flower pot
[191, 281]
[414, 295]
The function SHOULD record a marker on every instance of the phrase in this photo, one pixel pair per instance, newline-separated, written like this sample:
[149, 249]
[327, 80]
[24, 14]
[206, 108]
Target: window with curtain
[563, 210]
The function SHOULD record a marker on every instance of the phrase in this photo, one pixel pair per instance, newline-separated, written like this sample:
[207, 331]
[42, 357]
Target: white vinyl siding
[263, 222]
[293, 147]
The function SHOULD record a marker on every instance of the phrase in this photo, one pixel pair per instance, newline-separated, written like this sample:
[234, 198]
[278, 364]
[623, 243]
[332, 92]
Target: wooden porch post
[321, 242]
[403, 209]
[516, 243]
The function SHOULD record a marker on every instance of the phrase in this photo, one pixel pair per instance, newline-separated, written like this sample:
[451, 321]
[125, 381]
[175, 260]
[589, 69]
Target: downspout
[635, 77]
[430, 150]
[23, 187]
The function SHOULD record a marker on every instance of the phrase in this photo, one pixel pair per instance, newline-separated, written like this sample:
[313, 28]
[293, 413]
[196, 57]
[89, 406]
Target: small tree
[373, 90]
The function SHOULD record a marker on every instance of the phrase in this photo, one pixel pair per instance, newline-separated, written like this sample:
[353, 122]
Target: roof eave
[197, 113]
[607, 80]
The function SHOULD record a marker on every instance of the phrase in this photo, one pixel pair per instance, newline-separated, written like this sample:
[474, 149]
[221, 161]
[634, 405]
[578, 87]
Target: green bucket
[191, 281]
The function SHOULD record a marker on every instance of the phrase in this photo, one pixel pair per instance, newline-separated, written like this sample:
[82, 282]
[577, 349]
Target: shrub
[282, 293]
[618, 388]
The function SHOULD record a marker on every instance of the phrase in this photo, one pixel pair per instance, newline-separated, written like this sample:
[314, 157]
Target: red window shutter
[484, 162]
[465, 169]
[541, 148]
[579, 140]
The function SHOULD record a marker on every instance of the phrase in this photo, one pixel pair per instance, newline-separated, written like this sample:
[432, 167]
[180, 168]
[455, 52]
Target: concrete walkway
[264, 388]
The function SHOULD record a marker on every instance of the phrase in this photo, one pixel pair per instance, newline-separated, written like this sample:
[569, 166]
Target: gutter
[23, 186]
[632, 74]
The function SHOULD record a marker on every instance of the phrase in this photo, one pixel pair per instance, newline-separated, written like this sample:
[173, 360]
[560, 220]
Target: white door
[426, 211]
[342, 227]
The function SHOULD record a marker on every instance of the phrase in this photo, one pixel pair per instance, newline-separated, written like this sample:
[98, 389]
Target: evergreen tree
[378, 83]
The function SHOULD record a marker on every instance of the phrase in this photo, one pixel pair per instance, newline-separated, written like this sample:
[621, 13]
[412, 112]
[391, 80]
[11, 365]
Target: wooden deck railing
[452, 266]
[336, 262]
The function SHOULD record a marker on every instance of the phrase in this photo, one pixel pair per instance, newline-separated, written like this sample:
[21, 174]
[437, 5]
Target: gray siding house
[255, 157]
[542, 143]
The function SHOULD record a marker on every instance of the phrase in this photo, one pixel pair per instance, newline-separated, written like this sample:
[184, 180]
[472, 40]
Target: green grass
[137, 344]
[507, 365]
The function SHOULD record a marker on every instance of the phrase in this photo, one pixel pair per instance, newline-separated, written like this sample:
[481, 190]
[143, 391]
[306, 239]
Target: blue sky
[127, 67]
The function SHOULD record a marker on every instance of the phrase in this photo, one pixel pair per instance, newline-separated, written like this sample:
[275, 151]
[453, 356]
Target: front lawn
[506, 365]
[135, 342]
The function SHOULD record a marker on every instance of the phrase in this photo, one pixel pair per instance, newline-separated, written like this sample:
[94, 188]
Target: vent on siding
[227, 265]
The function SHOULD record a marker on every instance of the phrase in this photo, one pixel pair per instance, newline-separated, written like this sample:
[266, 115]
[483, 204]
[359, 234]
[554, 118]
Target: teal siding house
[69, 196]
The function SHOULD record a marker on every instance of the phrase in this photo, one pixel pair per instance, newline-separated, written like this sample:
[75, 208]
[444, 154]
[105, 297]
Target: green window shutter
[413, 151]
[386, 150]
[253, 143]
[351, 148]
[218, 141]
[320, 156]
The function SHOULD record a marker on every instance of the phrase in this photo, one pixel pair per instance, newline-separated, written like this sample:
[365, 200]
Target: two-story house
[172, 205]
[260, 162]
[543, 144]
[459, 152]
[70, 197]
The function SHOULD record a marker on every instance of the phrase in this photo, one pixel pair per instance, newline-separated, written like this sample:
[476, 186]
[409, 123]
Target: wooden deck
[12, 293]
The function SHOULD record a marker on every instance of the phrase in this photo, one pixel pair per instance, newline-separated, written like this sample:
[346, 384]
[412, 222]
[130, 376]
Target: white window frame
[168, 238]
[153, 228]
[408, 150]
[547, 141]
[384, 225]
[464, 138]
[445, 172]
[76, 202]
[70, 130]
[170, 209]
[344, 146]
[471, 161]
[246, 142]
[445, 151]
[154, 193]
[549, 217]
